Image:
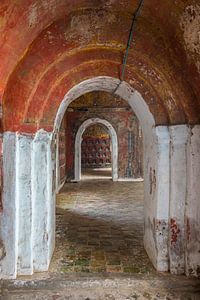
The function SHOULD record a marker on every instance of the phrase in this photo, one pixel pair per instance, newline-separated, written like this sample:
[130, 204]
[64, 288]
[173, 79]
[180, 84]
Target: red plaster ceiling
[99, 99]
[48, 46]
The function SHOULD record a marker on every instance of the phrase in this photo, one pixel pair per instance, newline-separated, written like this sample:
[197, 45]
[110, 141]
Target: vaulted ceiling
[48, 46]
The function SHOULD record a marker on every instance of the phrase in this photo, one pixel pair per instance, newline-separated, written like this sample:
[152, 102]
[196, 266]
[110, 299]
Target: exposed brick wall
[130, 142]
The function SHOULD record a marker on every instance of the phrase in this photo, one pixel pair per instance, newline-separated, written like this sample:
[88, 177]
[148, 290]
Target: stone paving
[99, 251]
[98, 288]
[100, 228]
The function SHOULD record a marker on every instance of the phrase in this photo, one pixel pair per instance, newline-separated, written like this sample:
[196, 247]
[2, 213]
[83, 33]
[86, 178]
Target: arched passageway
[78, 140]
[66, 51]
[155, 159]
[104, 219]
[96, 153]
[42, 151]
[51, 53]
[164, 160]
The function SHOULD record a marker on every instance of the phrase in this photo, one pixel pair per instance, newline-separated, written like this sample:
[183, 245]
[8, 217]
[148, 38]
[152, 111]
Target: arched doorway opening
[41, 151]
[78, 141]
[57, 59]
[104, 219]
[96, 153]
[154, 161]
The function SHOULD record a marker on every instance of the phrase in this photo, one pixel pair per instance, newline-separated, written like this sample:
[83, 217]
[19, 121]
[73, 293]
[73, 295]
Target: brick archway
[78, 141]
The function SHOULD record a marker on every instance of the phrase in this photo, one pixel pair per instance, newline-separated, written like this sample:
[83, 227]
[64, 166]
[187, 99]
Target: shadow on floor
[100, 229]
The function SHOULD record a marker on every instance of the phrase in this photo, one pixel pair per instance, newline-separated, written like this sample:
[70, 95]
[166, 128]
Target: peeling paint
[33, 15]
[190, 24]
[175, 231]
[2, 250]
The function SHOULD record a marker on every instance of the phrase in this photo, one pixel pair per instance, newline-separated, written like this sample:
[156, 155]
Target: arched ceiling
[99, 100]
[48, 46]
[96, 131]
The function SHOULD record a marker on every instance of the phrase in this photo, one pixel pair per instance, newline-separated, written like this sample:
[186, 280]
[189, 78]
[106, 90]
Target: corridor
[100, 228]
[87, 85]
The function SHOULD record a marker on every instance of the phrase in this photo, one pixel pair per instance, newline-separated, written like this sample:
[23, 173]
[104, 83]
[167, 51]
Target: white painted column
[28, 219]
[51, 220]
[10, 217]
[57, 161]
[114, 142]
[178, 180]
[42, 201]
[162, 198]
[23, 191]
[192, 219]
[149, 147]
[156, 175]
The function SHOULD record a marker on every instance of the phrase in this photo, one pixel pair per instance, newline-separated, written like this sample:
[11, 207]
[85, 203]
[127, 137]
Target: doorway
[100, 222]
[112, 158]
[96, 153]
[37, 153]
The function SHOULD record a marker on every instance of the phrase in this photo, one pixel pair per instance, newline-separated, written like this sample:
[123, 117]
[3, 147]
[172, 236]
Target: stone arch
[156, 145]
[108, 84]
[29, 191]
[78, 141]
[35, 196]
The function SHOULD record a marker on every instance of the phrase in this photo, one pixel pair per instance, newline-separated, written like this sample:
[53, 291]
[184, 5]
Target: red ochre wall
[125, 123]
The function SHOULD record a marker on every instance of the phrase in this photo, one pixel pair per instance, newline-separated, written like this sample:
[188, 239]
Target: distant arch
[78, 141]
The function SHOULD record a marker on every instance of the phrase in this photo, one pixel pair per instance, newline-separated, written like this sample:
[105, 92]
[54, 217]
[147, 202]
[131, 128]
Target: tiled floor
[99, 251]
[100, 228]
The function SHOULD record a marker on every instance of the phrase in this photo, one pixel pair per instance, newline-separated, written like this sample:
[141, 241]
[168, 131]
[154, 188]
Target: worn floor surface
[98, 173]
[100, 228]
[99, 250]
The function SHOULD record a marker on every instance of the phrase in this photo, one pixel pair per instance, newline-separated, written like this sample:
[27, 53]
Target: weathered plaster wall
[178, 188]
[192, 213]
[62, 151]
[9, 217]
[43, 45]
[28, 217]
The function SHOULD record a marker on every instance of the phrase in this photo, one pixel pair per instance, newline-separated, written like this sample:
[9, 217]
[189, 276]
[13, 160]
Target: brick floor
[99, 251]
[100, 228]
